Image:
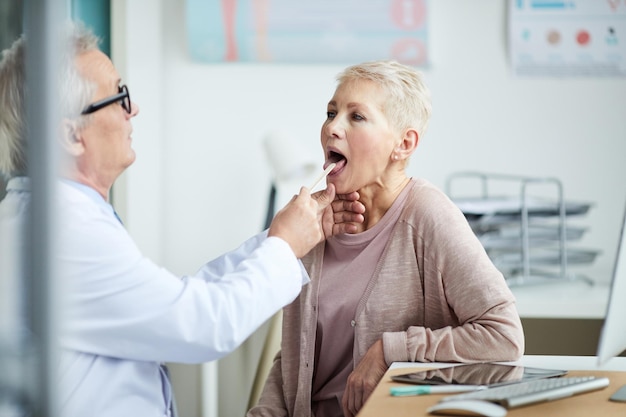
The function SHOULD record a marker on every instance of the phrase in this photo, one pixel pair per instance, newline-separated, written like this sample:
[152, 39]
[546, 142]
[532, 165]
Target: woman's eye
[357, 116]
[330, 114]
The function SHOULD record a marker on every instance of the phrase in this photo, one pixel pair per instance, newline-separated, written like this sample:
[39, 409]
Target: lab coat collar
[18, 184]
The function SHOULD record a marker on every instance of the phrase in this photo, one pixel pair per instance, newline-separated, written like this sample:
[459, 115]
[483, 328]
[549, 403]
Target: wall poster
[308, 31]
[565, 38]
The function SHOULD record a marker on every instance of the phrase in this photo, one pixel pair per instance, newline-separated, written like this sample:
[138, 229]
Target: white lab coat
[125, 315]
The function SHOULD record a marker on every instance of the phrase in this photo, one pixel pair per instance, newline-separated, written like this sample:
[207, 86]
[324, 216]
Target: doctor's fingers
[324, 197]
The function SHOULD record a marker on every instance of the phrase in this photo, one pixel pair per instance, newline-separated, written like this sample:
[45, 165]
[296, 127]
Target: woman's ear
[407, 145]
[71, 139]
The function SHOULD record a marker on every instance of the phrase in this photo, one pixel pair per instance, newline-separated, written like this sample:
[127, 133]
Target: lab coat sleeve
[214, 270]
[120, 304]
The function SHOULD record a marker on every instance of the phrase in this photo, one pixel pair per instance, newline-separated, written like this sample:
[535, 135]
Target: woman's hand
[344, 213]
[364, 378]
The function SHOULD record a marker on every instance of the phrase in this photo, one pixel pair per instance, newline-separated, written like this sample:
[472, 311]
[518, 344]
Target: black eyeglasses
[123, 97]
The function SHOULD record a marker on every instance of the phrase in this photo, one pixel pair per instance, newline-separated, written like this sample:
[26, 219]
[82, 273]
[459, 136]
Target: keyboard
[534, 391]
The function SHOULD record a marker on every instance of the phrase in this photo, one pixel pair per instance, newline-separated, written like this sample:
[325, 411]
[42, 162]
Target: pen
[432, 389]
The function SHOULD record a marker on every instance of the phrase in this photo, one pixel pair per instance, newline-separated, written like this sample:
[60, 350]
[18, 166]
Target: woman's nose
[334, 127]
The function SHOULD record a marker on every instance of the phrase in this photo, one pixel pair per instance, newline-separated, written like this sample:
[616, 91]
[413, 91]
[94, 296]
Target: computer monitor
[613, 336]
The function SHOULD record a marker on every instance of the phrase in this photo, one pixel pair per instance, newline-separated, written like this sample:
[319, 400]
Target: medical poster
[308, 31]
[568, 38]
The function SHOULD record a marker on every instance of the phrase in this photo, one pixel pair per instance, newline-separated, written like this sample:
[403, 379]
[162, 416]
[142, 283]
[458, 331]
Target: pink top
[348, 265]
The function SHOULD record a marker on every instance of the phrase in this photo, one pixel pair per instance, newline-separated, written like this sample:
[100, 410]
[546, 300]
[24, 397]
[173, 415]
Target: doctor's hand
[304, 221]
[344, 213]
[364, 378]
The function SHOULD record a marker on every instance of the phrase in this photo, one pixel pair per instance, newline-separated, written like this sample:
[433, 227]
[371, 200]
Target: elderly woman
[414, 284]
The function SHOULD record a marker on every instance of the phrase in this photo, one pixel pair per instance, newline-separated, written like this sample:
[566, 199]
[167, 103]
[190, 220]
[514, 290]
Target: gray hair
[408, 103]
[12, 129]
[75, 90]
[75, 93]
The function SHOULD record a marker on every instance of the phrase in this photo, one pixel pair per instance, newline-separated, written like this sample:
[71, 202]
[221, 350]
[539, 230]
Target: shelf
[477, 207]
[523, 232]
[508, 238]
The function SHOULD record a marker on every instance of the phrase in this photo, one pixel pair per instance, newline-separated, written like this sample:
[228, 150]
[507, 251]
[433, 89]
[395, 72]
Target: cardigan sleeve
[495, 336]
[271, 403]
[469, 312]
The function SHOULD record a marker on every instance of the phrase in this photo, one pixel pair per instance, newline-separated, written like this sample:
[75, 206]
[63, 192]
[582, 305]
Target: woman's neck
[377, 199]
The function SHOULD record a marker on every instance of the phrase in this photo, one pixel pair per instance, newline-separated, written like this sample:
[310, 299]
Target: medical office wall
[200, 184]
[97, 16]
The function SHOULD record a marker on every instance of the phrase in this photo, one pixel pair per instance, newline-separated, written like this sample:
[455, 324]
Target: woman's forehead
[360, 91]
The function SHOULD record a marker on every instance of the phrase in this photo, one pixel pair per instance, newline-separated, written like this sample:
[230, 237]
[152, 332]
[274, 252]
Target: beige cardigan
[434, 296]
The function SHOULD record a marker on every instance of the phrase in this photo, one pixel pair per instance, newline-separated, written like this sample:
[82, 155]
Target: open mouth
[338, 159]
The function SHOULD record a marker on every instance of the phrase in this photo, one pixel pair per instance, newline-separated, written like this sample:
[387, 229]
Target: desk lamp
[290, 162]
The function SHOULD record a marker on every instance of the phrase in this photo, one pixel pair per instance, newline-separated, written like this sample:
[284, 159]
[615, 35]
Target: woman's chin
[341, 188]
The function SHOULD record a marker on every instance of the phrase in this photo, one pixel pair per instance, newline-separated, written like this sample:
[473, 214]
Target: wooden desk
[381, 403]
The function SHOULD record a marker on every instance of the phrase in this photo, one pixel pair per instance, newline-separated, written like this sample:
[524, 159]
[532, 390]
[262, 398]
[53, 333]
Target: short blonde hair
[408, 103]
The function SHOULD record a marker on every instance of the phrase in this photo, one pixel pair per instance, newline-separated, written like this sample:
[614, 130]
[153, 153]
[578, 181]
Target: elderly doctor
[125, 315]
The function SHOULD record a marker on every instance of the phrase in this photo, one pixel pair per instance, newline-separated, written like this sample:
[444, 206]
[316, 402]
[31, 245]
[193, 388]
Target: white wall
[200, 183]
